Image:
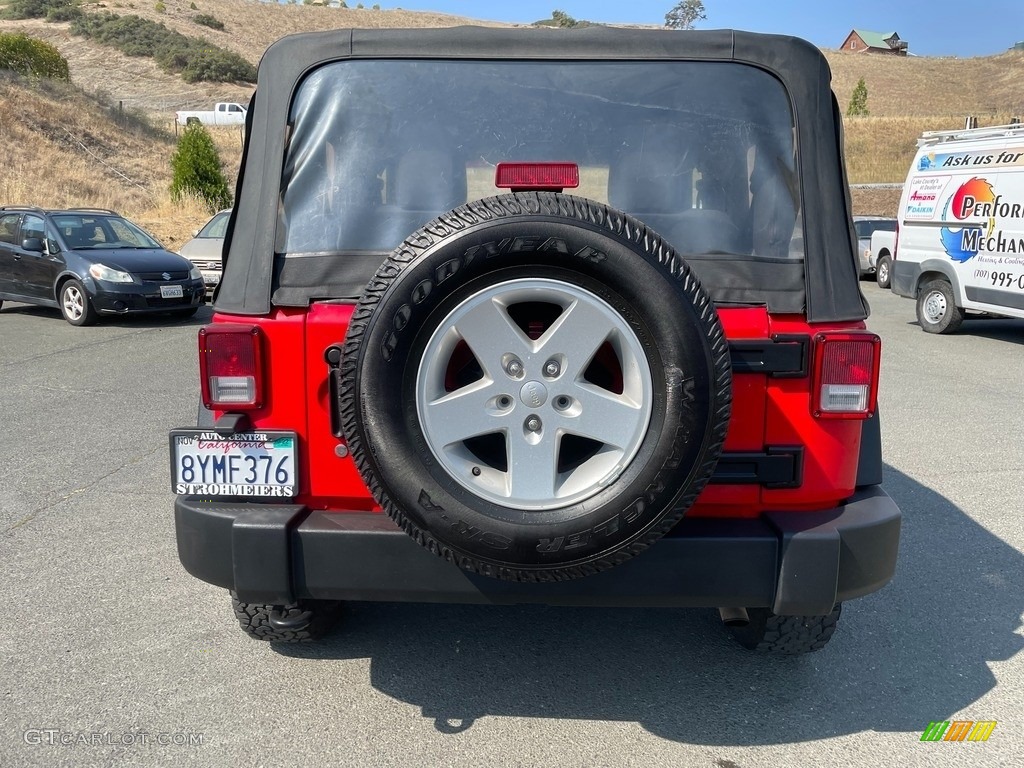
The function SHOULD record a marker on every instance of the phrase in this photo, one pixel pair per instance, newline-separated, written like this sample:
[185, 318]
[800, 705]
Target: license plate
[204, 463]
[211, 278]
[170, 292]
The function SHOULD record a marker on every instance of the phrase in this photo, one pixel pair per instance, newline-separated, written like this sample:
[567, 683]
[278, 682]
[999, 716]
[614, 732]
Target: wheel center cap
[533, 394]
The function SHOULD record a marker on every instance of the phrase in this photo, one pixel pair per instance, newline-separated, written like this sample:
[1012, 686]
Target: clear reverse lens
[850, 398]
[233, 389]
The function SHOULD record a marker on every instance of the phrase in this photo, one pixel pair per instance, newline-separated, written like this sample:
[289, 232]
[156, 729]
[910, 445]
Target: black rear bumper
[797, 563]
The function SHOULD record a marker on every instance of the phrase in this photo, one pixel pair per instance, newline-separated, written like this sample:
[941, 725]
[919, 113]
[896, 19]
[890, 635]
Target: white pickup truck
[223, 113]
[883, 251]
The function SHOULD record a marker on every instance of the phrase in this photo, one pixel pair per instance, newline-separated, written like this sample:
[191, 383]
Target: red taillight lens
[231, 367]
[845, 384]
[545, 176]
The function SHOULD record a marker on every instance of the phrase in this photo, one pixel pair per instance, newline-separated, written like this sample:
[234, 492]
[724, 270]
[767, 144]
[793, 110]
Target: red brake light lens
[231, 367]
[541, 176]
[845, 384]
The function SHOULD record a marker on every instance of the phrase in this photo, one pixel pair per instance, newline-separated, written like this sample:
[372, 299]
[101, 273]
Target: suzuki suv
[540, 316]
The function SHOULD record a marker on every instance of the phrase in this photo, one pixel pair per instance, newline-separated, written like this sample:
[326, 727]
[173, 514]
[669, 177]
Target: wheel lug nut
[552, 368]
[533, 424]
[514, 368]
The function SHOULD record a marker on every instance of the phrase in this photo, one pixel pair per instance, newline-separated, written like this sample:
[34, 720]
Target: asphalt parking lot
[110, 653]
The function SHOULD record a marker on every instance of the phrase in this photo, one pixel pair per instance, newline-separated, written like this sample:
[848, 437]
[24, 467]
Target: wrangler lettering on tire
[550, 389]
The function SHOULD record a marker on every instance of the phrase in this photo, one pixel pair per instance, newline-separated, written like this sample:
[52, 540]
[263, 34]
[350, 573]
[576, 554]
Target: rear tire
[787, 635]
[937, 311]
[301, 622]
[883, 271]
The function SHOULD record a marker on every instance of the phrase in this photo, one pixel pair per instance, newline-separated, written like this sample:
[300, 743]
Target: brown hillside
[113, 163]
[63, 148]
[250, 27]
[919, 86]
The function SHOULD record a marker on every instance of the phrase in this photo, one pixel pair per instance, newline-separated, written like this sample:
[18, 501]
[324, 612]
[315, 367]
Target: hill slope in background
[111, 162]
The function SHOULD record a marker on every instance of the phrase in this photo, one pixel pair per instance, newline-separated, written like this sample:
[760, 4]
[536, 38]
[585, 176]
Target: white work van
[960, 237]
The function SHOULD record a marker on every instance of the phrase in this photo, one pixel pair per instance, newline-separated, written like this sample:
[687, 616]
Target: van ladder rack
[938, 137]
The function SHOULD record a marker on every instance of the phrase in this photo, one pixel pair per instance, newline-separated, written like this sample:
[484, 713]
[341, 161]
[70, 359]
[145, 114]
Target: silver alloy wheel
[883, 272]
[74, 302]
[934, 307]
[516, 397]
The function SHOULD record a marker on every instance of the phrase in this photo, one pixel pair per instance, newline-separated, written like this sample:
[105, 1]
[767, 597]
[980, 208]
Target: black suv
[90, 262]
[434, 374]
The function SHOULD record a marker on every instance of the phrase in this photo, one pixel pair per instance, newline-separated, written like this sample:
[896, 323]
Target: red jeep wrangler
[563, 317]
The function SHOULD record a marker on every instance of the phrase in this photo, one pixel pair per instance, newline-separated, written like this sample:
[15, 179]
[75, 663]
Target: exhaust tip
[734, 617]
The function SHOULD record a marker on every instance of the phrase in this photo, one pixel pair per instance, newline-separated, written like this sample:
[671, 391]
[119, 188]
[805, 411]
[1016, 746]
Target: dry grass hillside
[64, 148]
[88, 155]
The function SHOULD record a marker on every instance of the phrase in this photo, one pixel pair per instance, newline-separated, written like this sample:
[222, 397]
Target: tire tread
[254, 620]
[787, 635]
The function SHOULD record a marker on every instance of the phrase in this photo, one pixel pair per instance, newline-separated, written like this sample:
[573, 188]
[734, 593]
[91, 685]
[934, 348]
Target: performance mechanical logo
[962, 243]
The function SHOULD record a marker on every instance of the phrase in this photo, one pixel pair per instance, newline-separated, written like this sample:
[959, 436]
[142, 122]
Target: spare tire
[535, 387]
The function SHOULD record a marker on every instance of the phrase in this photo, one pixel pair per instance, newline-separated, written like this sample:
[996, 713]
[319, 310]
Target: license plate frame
[259, 463]
[171, 292]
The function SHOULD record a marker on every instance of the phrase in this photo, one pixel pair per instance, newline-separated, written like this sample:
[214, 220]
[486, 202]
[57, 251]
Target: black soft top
[831, 289]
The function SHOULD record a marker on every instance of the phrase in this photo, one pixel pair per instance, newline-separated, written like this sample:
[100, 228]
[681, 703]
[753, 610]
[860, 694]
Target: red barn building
[862, 41]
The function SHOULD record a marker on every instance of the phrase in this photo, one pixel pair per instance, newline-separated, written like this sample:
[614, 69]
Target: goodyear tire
[535, 387]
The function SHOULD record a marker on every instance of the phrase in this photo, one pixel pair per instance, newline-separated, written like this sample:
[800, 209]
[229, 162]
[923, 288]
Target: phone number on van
[1007, 280]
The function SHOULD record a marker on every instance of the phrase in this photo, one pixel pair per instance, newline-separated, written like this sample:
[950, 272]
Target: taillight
[231, 367]
[896, 241]
[845, 384]
[521, 177]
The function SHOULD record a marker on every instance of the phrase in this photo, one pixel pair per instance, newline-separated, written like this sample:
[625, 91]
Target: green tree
[859, 100]
[685, 14]
[196, 170]
[28, 56]
[563, 19]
